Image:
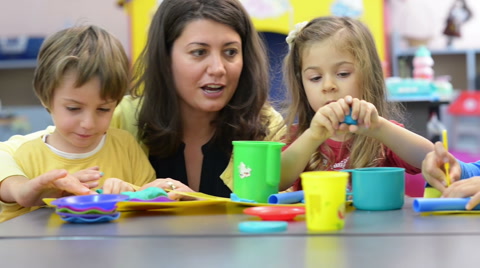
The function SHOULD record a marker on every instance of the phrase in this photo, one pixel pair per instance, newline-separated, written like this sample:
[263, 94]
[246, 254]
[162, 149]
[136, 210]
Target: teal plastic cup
[378, 188]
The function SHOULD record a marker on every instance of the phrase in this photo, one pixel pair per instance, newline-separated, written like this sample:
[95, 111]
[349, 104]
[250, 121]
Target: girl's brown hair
[353, 37]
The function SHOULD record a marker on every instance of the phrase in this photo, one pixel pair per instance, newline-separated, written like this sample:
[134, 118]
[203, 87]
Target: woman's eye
[198, 52]
[231, 52]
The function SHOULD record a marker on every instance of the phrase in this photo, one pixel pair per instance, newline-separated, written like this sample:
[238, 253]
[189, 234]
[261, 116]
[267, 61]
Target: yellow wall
[141, 11]
[304, 10]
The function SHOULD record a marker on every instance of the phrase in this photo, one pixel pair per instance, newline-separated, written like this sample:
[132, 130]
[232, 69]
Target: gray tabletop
[208, 237]
[222, 220]
[244, 251]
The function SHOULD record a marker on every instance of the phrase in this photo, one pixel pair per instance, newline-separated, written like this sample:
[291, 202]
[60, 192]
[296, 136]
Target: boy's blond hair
[90, 52]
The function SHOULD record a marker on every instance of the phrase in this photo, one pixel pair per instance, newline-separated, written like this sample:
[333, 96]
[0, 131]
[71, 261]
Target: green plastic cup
[256, 169]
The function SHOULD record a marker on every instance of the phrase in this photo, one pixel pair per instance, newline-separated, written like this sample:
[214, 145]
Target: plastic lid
[262, 226]
[423, 51]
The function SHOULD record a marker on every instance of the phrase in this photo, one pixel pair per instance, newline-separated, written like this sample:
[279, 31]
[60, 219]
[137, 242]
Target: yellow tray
[228, 200]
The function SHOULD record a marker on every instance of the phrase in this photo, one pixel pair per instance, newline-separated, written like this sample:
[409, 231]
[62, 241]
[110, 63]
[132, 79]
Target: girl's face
[81, 117]
[207, 62]
[328, 74]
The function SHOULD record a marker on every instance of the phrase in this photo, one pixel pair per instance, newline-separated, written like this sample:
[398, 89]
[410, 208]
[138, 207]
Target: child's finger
[91, 185]
[51, 176]
[88, 175]
[474, 201]
[73, 186]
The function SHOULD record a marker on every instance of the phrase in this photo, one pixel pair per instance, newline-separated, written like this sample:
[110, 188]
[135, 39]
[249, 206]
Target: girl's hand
[366, 115]
[327, 121]
[433, 167]
[116, 186]
[169, 184]
[465, 188]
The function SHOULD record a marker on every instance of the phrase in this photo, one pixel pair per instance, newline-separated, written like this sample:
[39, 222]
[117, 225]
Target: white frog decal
[244, 171]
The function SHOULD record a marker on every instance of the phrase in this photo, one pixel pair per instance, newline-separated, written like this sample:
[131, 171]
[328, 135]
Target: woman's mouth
[212, 88]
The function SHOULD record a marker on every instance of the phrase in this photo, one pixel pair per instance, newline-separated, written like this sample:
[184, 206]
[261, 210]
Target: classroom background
[444, 30]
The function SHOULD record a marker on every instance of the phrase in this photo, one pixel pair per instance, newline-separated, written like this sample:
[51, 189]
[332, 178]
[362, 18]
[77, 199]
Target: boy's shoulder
[30, 146]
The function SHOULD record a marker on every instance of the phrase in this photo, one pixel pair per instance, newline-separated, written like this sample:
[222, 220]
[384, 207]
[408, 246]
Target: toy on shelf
[411, 89]
[422, 64]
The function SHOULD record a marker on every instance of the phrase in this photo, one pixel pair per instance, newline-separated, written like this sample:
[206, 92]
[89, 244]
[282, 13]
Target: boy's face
[81, 117]
[328, 74]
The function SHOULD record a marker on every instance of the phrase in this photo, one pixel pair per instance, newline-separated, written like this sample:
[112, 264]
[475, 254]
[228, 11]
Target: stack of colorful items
[89, 208]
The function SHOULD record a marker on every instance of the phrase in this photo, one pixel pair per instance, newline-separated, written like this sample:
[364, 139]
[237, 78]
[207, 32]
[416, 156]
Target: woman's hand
[169, 184]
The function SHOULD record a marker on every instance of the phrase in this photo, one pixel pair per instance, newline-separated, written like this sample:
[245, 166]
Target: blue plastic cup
[378, 188]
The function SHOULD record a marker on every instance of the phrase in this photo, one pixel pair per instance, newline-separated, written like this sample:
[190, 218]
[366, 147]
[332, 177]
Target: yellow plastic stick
[447, 165]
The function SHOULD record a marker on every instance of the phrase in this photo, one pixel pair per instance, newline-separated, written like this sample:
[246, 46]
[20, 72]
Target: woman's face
[207, 62]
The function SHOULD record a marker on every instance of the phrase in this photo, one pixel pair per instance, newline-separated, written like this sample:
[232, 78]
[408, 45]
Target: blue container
[20, 48]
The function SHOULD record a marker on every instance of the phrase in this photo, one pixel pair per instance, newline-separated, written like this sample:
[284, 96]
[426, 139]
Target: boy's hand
[433, 167]
[89, 177]
[51, 184]
[116, 186]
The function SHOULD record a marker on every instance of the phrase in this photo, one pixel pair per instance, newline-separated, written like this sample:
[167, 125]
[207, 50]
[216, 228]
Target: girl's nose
[328, 84]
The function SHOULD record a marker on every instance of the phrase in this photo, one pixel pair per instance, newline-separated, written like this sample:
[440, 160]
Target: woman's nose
[216, 66]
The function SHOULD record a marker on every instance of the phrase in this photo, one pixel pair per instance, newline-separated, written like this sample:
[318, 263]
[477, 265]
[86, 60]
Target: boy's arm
[30, 192]
[8, 166]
